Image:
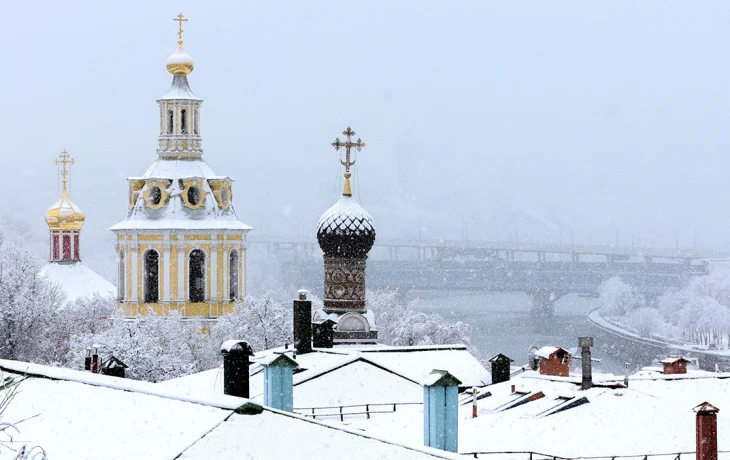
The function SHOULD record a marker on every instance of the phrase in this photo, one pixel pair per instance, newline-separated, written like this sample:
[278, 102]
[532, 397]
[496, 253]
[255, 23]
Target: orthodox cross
[180, 19]
[347, 145]
[64, 159]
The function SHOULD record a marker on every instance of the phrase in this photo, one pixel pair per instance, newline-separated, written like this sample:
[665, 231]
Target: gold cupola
[64, 214]
[180, 64]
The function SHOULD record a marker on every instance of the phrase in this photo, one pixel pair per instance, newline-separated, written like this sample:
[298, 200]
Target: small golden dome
[64, 214]
[180, 63]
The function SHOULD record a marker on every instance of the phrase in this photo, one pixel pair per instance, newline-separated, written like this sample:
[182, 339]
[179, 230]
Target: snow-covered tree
[618, 298]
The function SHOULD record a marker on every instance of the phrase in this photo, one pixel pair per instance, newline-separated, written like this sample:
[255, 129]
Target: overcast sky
[480, 117]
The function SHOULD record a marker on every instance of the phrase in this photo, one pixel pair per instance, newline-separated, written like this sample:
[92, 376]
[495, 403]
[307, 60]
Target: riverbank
[644, 348]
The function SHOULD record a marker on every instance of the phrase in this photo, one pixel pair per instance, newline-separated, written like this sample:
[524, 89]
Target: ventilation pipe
[585, 344]
[626, 374]
[303, 323]
[441, 411]
[235, 367]
[706, 431]
[278, 381]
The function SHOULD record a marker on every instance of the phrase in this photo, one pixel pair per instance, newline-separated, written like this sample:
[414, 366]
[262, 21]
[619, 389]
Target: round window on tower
[155, 195]
[193, 196]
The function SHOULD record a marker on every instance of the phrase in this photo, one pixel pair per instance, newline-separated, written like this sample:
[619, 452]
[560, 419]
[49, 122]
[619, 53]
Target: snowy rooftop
[352, 375]
[76, 415]
[78, 280]
[174, 214]
[180, 89]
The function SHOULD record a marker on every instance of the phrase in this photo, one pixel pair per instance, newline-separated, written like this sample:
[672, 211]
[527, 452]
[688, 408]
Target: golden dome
[64, 214]
[180, 63]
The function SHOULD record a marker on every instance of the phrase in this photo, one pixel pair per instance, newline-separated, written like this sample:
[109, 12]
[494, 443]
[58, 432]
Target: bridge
[545, 271]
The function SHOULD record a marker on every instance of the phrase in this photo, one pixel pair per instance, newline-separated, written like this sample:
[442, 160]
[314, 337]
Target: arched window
[233, 274]
[151, 276]
[196, 276]
[122, 287]
[195, 121]
[170, 119]
[184, 121]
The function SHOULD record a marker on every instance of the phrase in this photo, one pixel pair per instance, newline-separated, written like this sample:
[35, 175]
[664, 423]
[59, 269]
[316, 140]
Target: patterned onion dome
[346, 230]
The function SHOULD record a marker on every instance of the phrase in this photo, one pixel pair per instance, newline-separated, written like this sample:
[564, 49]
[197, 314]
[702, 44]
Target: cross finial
[347, 145]
[64, 159]
[180, 19]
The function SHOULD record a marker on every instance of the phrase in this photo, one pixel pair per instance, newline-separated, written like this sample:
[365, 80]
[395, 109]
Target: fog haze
[485, 120]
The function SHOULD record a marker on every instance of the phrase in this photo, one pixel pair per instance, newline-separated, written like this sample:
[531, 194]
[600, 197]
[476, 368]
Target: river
[502, 323]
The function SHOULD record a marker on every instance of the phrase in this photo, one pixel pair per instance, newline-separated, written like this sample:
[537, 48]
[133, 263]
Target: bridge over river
[545, 271]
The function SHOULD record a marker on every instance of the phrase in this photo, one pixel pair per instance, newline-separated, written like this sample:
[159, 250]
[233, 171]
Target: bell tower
[180, 246]
[65, 219]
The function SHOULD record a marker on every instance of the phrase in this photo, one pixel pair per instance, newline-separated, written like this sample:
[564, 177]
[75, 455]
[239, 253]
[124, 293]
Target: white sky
[492, 115]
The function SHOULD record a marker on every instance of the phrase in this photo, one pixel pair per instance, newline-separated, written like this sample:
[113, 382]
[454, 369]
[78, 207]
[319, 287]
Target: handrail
[539, 456]
[341, 414]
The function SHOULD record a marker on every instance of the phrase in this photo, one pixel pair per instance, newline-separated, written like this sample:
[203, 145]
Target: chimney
[95, 359]
[674, 365]
[235, 367]
[626, 374]
[303, 323]
[87, 360]
[441, 411]
[500, 368]
[278, 383]
[323, 334]
[706, 431]
[585, 344]
[554, 361]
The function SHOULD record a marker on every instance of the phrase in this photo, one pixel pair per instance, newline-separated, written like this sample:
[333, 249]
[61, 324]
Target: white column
[168, 268]
[214, 271]
[182, 295]
[134, 260]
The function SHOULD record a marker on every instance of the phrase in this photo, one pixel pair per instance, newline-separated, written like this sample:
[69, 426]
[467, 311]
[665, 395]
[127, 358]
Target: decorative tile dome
[346, 230]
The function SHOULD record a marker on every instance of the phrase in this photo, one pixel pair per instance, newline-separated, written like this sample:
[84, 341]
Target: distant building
[65, 219]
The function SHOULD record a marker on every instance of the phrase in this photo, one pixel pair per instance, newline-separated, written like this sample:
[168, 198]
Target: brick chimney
[706, 431]
[554, 361]
[674, 365]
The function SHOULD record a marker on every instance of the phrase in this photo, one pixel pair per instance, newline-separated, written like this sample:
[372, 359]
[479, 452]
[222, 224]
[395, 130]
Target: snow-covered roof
[180, 89]
[344, 215]
[65, 206]
[75, 415]
[174, 215]
[547, 351]
[77, 280]
[674, 359]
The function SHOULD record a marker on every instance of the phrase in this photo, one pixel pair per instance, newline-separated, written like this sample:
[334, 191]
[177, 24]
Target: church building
[181, 246]
[346, 233]
[65, 219]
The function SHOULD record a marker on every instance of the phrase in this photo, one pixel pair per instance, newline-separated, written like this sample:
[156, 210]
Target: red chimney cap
[706, 408]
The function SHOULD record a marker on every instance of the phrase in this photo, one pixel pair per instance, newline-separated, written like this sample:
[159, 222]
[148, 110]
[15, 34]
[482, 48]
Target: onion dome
[346, 230]
[180, 63]
[64, 214]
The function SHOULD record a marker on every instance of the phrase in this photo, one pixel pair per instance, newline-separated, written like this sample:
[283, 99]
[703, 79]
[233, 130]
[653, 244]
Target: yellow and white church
[180, 246]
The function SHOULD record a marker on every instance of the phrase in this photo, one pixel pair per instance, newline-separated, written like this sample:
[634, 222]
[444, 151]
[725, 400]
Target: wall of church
[174, 249]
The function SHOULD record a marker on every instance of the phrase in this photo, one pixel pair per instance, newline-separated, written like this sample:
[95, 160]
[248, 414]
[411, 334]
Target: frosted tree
[618, 298]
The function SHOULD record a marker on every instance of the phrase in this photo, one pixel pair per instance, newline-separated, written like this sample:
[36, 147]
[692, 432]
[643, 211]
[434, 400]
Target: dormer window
[193, 196]
[170, 119]
[184, 121]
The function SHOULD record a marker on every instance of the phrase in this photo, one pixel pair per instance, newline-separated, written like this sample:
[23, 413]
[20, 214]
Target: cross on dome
[347, 145]
[180, 19]
[64, 159]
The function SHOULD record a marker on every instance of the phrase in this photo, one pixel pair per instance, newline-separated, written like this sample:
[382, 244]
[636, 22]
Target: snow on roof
[546, 352]
[416, 362]
[74, 415]
[614, 421]
[179, 89]
[345, 214]
[674, 359]
[281, 435]
[65, 206]
[77, 280]
[174, 215]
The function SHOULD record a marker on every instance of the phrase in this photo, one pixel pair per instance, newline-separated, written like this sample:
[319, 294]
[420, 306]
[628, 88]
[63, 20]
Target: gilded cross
[347, 145]
[64, 159]
[180, 18]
